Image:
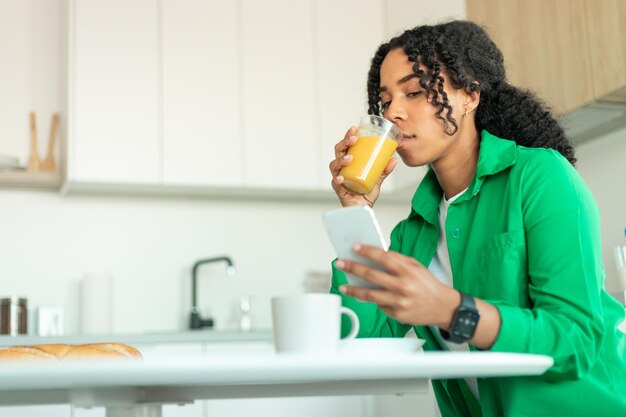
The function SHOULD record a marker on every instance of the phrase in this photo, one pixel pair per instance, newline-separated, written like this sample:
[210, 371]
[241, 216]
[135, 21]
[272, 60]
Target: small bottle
[245, 322]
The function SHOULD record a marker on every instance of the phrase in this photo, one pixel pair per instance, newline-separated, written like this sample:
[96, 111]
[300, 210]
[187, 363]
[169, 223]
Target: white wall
[49, 242]
[602, 164]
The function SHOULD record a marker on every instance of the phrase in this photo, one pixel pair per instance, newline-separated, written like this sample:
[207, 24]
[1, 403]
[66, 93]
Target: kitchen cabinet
[569, 51]
[342, 66]
[202, 142]
[88, 412]
[606, 25]
[62, 410]
[31, 79]
[114, 95]
[286, 407]
[281, 147]
[221, 95]
[152, 352]
[275, 407]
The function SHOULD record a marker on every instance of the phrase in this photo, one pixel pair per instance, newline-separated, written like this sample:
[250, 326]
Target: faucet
[196, 321]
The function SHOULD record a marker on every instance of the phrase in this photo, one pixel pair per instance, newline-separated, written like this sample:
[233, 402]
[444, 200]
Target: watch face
[465, 324]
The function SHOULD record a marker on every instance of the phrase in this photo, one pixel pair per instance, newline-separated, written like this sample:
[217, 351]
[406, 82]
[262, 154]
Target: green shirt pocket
[503, 269]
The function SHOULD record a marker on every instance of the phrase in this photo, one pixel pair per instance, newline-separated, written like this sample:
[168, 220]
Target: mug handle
[354, 320]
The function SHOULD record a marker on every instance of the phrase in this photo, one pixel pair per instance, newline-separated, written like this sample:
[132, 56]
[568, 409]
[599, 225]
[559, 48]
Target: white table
[135, 388]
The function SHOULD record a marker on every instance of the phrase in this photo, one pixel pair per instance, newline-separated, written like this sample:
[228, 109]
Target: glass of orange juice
[376, 142]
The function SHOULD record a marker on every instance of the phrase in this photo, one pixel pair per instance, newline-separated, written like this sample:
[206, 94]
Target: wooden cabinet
[201, 98]
[114, 95]
[606, 25]
[569, 51]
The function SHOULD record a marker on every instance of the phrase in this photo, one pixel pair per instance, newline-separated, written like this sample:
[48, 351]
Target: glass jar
[13, 316]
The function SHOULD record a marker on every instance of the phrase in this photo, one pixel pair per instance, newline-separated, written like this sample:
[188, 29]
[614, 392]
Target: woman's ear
[472, 98]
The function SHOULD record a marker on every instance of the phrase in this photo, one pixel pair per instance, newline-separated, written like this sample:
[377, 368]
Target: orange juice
[370, 156]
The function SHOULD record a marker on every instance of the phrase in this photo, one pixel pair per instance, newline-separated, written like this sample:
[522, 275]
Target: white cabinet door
[201, 93]
[36, 411]
[89, 412]
[288, 407]
[347, 34]
[114, 110]
[281, 146]
[341, 406]
[153, 352]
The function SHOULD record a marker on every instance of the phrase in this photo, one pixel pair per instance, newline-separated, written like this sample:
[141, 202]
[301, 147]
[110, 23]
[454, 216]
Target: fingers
[374, 276]
[348, 140]
[393, 262]
[390, 166]
[384, 299]
[341, 158]
[338, 163]
[388, 169]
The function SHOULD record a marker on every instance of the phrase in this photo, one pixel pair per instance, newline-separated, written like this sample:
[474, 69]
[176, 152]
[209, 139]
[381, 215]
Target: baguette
[25, 353]
[102, 350]
[62, 351]
[59, 350]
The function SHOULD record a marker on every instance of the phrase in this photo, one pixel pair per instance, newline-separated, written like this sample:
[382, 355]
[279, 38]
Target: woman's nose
[395, 112]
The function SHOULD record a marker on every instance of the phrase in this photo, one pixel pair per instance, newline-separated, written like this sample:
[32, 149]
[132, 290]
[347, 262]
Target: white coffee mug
[310, 323]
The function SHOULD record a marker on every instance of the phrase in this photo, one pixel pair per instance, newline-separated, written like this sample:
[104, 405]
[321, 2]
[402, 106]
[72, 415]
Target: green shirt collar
[495, 155]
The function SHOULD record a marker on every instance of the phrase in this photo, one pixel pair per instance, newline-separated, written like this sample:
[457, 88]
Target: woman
[501, 248]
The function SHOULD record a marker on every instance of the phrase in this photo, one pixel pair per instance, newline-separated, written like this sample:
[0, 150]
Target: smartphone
[350, 226]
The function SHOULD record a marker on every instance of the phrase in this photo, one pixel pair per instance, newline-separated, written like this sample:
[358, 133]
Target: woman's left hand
[408, 291]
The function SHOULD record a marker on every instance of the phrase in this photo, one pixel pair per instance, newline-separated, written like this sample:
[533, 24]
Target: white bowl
[381, 346]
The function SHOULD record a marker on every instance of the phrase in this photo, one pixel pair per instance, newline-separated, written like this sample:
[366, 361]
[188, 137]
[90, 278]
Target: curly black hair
[472, 61]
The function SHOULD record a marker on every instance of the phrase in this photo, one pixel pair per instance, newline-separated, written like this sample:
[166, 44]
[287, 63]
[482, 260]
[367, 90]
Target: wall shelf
[31, 180]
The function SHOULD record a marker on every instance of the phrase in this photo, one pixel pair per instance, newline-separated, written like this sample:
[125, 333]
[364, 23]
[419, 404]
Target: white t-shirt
[440, 267]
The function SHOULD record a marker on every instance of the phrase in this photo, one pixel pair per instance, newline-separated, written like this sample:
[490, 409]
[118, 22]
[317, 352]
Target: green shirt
[525, 237]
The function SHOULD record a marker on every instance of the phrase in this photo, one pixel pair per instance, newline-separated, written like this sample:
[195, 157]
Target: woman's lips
[404, 138]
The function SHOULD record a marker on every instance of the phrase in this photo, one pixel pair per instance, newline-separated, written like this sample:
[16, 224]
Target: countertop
[198, 336]
[135, 384]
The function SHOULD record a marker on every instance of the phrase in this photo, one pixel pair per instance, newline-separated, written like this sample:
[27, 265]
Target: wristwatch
[464, 322]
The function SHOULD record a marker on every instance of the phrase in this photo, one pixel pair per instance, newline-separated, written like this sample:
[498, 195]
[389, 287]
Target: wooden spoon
[33, 161]
[48, 163]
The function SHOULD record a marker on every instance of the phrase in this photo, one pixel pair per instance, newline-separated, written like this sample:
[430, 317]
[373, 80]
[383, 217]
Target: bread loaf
[25, 353]
[56, 352]
[93, 350]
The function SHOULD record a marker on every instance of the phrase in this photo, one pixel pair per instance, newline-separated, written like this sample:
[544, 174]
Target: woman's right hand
[346, 197]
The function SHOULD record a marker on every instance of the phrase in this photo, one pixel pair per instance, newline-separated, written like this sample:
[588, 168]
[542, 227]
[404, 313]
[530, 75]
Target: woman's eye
[385, 104]
[414, 94]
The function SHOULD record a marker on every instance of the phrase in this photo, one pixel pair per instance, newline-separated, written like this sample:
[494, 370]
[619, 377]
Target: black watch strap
[464, 321]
